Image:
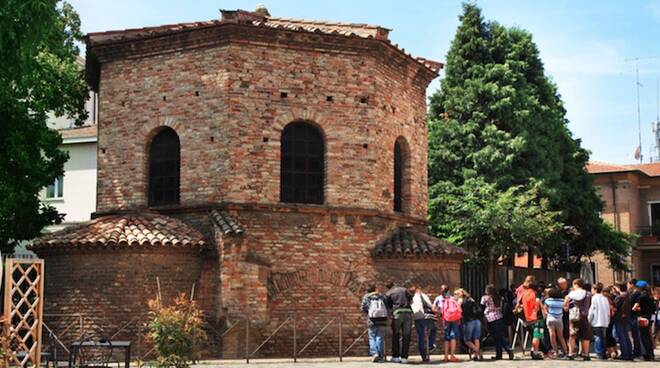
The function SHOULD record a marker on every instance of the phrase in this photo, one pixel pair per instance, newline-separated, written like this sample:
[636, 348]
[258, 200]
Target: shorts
[555, 322]
[539, 330]
[452, 330]
[581, 329]
[472, 330]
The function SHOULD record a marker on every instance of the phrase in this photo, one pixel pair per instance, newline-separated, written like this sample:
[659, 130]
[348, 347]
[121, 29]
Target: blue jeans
[497, 331]
[472, 330]
[376, 340]
[422, 325]
[636, 338]
[599, 341]
[621, 330]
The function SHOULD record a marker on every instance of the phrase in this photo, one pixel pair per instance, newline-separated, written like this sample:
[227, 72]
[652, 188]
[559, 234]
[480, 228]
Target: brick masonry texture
[221, 90]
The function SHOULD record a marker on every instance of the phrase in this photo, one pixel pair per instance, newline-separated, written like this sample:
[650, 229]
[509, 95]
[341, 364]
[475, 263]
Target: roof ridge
[326, 22]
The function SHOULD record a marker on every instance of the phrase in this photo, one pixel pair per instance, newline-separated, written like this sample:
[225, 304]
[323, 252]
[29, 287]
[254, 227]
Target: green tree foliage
[504, 171]
[39, 74]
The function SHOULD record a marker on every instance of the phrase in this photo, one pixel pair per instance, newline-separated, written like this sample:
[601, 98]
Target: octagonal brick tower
[298, 149]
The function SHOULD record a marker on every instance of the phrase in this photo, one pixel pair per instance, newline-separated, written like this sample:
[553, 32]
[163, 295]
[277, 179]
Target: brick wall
[225, 104]
[111, 288]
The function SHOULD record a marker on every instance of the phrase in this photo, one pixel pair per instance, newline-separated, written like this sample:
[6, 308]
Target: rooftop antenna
[639, 115]
[656, 124]
[638, 151]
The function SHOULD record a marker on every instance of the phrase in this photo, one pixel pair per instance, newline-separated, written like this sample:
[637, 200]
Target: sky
[587, 47]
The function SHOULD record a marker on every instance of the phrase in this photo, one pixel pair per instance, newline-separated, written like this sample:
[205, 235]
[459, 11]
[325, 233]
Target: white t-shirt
[599, 312]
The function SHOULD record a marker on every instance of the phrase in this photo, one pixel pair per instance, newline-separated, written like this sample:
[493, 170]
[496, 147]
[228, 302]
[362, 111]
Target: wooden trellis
[23, 306]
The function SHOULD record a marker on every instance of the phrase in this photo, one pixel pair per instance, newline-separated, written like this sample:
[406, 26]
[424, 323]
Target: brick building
[277, 165]
[631, 194]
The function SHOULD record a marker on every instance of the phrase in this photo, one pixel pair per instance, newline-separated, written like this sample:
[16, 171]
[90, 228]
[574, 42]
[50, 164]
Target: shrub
[175, 330]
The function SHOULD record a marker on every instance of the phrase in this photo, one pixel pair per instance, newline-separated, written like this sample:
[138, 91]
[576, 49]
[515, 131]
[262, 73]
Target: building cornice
[221, 34]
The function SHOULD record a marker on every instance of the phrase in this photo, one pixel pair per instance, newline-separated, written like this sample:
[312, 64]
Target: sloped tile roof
[130, 230]
[225, 222]
[250, 18]
[405, 242]
[597, 167]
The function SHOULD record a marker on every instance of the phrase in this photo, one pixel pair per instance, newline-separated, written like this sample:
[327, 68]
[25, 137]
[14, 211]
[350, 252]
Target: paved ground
[521, 361]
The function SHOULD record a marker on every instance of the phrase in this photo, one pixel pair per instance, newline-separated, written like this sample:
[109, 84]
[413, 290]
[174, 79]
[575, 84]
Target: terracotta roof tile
[131, 230]
[649, 169]
[405, 242]
[250, 18]
[225, 222]
[79, 132]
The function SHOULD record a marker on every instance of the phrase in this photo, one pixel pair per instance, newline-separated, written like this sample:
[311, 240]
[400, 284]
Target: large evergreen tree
[39, 74]
[501, 155]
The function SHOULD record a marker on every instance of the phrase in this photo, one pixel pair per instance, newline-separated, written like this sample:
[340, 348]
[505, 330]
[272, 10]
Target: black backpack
[507, 311]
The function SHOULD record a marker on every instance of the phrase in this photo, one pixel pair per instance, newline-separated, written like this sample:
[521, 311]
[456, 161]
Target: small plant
[175, 330]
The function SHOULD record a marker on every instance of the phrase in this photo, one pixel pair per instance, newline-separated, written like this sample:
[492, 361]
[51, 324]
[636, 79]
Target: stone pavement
[436, 360]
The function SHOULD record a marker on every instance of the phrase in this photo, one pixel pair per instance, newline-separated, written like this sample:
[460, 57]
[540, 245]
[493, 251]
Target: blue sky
[584, 45]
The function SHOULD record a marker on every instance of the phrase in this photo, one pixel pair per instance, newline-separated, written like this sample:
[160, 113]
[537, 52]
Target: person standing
[471, 322]
[398, 301]
[425, 322]
[578, 302]
[622, 321]
[493, 302]
[563, 286]
[599, 317]
[554, 310]
[374, 306]
[447, 306]
[645, 306]
[634, 315]
[612, 351]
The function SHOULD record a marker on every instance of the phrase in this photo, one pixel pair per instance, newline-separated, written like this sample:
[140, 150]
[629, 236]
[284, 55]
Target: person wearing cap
[645, 307]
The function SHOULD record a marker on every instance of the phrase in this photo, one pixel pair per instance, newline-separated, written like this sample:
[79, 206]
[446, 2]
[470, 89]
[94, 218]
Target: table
[123, 345]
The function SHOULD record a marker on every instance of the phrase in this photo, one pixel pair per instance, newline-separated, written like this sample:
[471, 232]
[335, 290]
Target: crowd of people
[622, 320]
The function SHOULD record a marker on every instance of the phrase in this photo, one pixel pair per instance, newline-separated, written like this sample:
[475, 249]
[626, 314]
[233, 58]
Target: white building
[74, 193]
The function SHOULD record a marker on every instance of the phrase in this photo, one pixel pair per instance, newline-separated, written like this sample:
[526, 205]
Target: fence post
[295, 347]
[341, 353]
[247, 340]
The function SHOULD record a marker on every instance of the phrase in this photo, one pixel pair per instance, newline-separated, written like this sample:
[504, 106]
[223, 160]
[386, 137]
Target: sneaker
[426, 360]
[496, 357]
[376, 358]
[511, 355]
[586, 358]
[404, 361]
[536, 356]
[432, 348]
[395, 360]
[570, 357]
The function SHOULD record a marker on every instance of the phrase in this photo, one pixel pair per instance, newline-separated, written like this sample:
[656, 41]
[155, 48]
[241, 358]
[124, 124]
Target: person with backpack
[528, 308]
[447, 306]
[578, 302]
[373, 305]
[425, 322]
[398, 301]
[492, 303]
[622, 321]
[471, 317]
[553, 306]
[599, 317]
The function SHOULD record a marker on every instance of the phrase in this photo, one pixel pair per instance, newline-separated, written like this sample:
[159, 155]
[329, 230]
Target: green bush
[175, 330]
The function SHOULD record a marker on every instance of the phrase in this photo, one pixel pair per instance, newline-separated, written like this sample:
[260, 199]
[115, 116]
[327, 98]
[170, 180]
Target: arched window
[164, 163]
[302, 164]
[400, 174]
